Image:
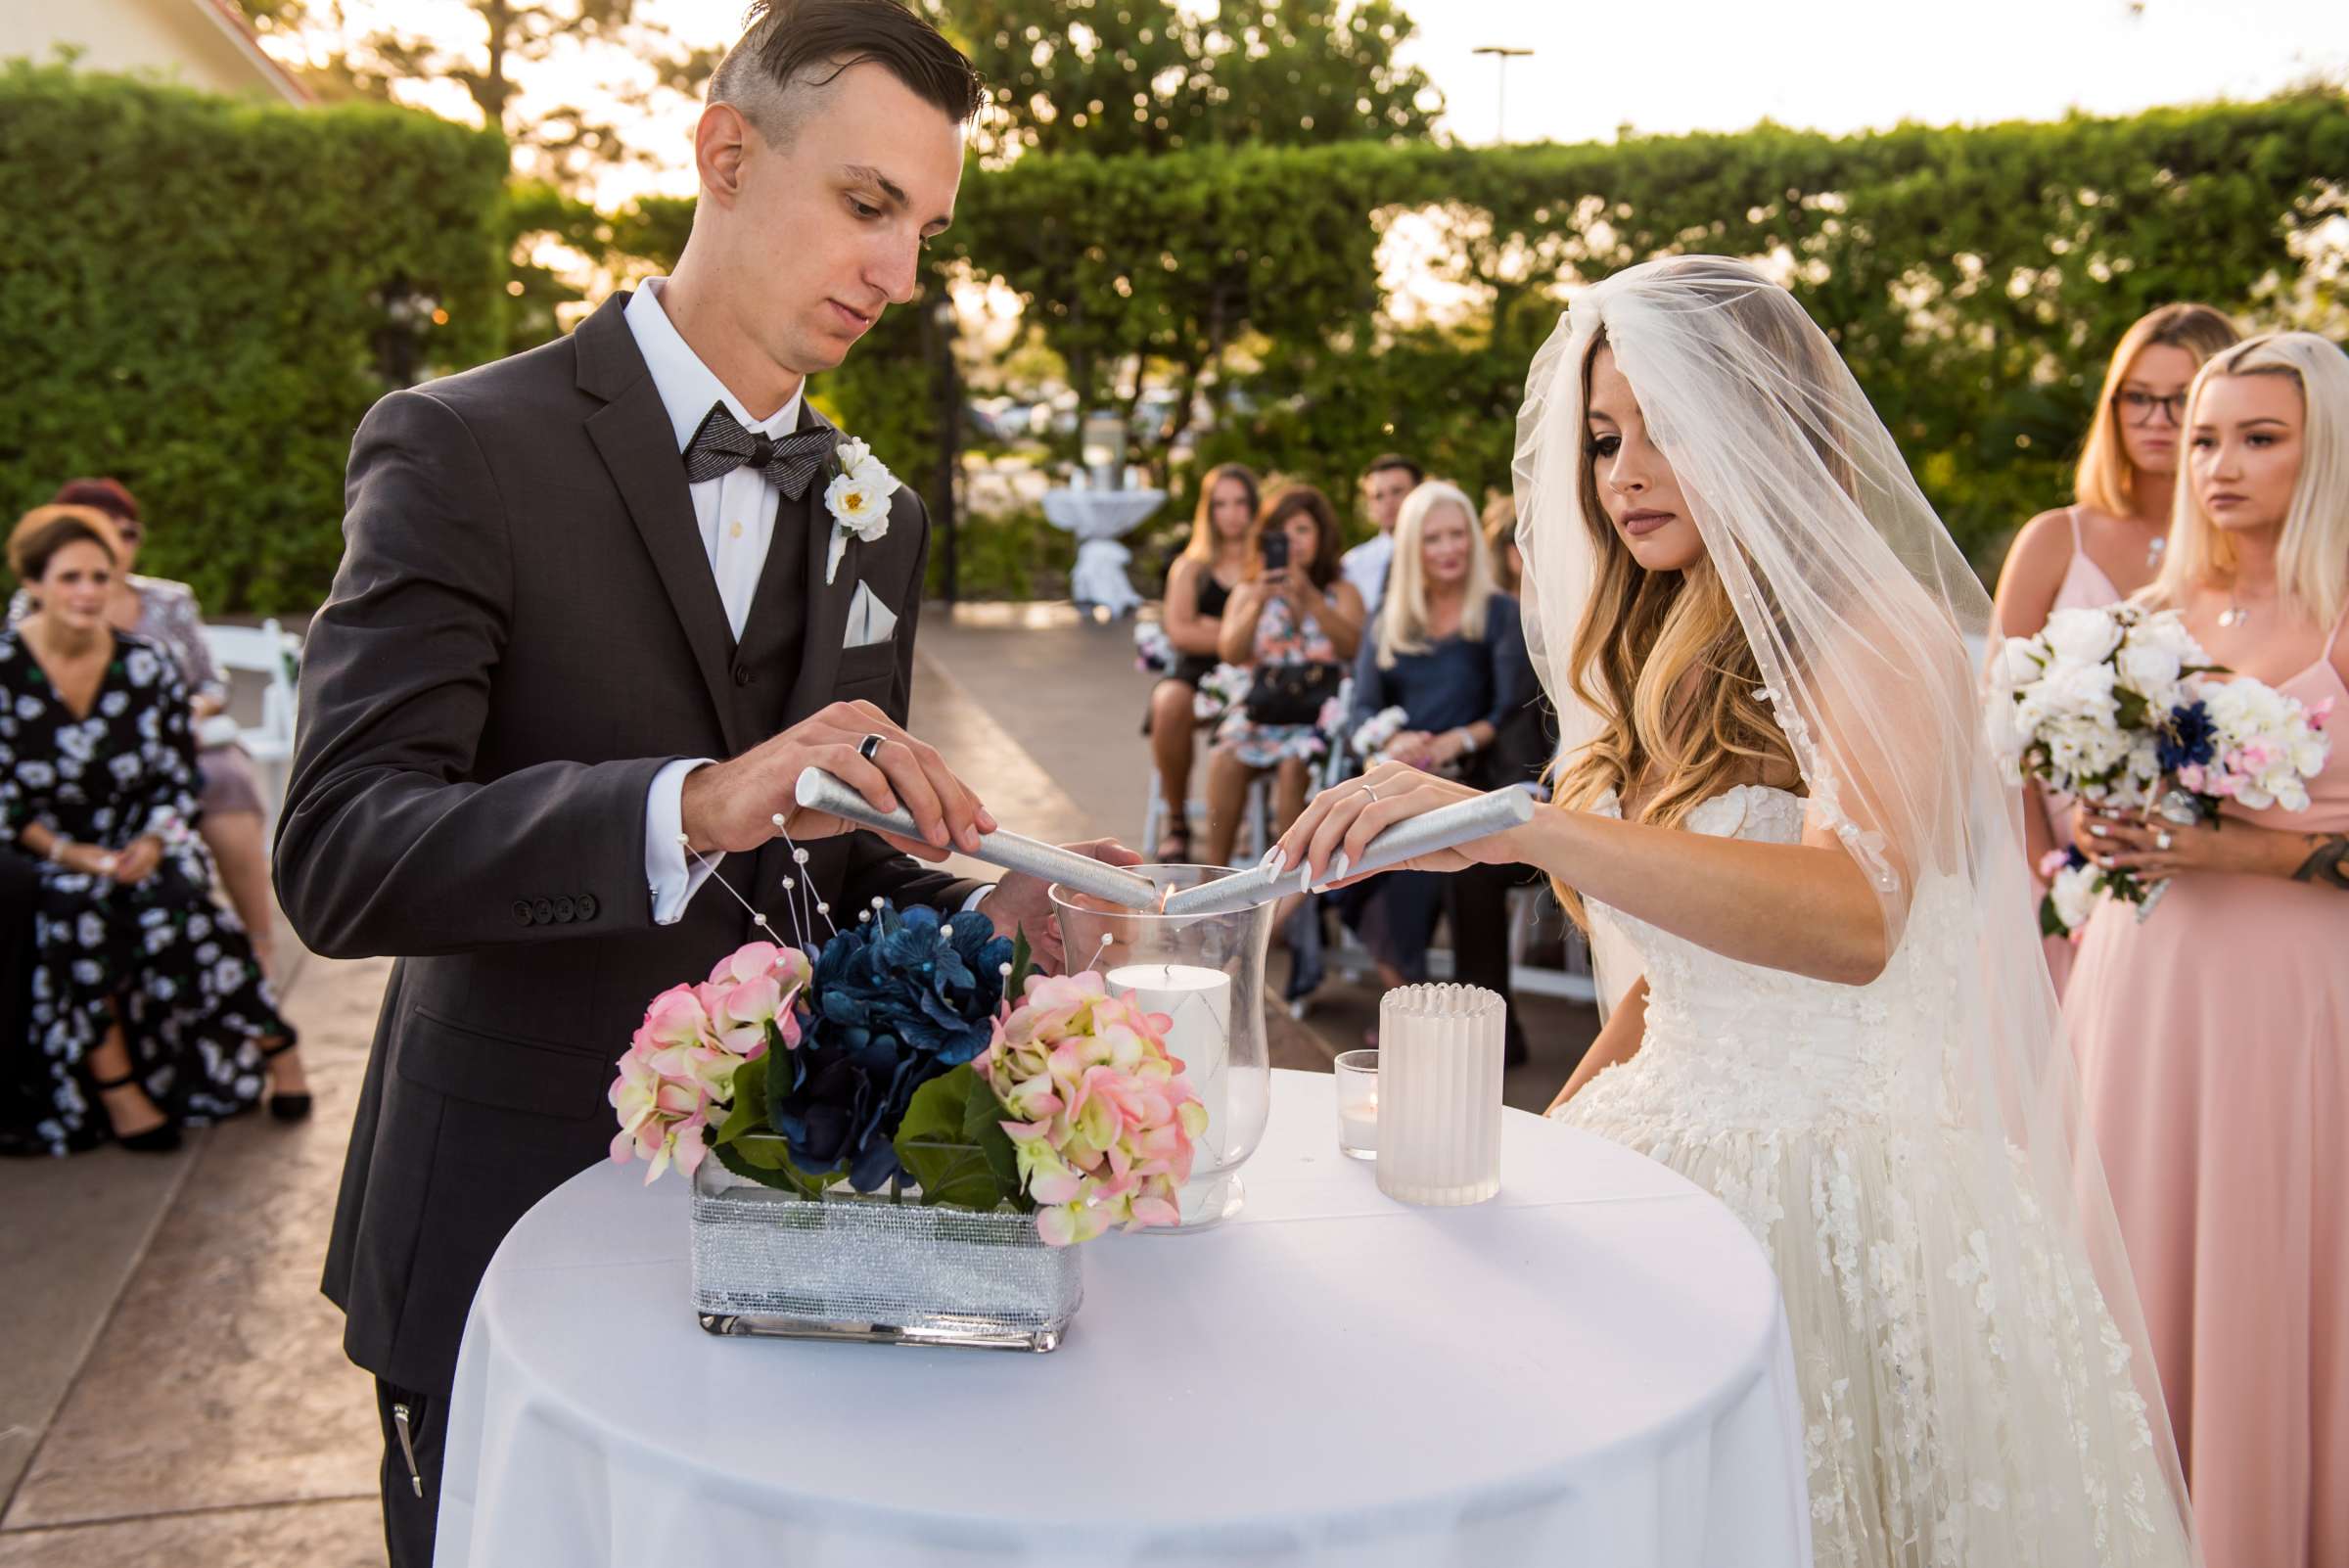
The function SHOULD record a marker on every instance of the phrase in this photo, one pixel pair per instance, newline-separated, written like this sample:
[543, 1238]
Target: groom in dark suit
[572, 579]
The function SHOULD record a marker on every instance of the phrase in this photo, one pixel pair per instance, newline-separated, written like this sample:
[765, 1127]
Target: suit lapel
[634, 433]
[827, 602]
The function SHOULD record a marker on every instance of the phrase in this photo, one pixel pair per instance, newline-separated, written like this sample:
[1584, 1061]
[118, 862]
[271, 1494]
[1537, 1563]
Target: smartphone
[1276, 551]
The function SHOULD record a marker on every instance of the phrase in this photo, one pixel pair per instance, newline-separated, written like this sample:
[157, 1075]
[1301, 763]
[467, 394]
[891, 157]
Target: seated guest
[1294, 623]
[1501, 542]
[1447, 649]
[1199, 587]
[1390, 477]
[165, 613]
[144, 990]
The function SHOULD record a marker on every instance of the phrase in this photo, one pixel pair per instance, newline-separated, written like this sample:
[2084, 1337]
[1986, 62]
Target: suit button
[566, 911]
[521, 910]
[587, 905]
[743, 675]
[543, 911]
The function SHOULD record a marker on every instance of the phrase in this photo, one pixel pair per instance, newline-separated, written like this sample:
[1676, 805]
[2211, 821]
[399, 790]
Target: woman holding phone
[1295, 622]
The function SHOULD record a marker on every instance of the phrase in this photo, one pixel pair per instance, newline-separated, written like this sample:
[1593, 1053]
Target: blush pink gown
[2214, 1051]
[2085, 586]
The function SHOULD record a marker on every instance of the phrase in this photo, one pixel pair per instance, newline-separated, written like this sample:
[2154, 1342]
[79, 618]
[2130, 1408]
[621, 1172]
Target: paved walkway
[172, 1387]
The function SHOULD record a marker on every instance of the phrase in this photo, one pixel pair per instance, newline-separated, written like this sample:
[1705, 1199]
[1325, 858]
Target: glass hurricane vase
[1207, 974]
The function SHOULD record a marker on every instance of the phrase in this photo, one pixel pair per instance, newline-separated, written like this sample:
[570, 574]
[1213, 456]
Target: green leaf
[935, 1144]
[983, 1118]
[1023, 959]
[765, 1164]
[749, 1114]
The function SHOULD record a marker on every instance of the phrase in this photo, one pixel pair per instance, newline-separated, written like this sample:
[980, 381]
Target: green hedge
[1974, 278]
[187, 306]
[189, 280]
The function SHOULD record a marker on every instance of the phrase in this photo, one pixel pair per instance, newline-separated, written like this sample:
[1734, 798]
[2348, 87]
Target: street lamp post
[1502, 54]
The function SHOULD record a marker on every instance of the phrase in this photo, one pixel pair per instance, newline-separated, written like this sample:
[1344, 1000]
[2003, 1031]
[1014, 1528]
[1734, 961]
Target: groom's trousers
[415, 1436]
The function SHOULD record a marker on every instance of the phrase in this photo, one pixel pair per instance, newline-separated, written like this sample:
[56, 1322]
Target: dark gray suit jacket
[523, 631]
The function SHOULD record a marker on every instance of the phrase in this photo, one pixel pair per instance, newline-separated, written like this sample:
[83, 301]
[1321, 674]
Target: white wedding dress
[1821, 1114]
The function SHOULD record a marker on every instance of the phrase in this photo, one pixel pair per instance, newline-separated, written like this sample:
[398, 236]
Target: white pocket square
[870, 619]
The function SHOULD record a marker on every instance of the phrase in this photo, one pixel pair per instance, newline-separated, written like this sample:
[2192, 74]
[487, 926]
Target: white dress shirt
[1365, 567]
[736, 512]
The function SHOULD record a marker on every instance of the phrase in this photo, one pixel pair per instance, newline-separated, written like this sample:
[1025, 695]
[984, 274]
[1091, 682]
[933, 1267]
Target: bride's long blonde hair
[1663, 659]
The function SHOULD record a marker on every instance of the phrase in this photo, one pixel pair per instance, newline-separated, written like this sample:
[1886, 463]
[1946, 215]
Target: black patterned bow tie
[722, 445]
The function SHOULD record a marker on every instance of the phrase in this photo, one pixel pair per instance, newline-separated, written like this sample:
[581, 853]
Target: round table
[1099, 519]
[1592, 1367]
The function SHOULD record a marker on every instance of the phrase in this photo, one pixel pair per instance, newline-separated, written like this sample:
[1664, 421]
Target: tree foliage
[1974, 279]
[1112, 78]
[561, 143]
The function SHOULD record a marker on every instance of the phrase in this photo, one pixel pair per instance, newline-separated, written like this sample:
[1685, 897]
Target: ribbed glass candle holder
[1439, 1094]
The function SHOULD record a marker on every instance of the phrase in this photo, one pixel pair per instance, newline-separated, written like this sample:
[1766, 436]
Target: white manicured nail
[1338, 872]
[1274, 860]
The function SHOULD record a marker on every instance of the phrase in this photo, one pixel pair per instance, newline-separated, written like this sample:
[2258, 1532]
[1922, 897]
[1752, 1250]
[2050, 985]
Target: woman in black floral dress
[144, 989]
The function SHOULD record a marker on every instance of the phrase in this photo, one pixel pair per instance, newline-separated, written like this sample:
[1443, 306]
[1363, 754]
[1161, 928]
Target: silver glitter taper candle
[1440, 1050]
[1461, 822]
[820, 791]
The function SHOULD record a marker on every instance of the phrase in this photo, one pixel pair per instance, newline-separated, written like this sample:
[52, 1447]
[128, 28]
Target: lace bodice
[1753, 1047]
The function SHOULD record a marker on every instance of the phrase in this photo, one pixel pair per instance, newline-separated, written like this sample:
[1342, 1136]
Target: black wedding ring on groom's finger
[866, 746]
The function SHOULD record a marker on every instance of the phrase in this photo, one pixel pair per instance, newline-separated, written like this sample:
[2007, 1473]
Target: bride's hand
[1332, 832]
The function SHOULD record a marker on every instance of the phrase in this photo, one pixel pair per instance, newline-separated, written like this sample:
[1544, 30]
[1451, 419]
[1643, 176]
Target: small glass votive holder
[1358, 1104]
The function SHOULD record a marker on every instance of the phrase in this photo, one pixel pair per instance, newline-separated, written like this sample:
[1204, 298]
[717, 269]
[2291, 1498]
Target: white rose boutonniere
[857, 498]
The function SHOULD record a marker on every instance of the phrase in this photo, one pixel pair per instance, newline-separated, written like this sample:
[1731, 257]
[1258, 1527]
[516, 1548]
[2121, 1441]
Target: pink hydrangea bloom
[1105, 1121]
[677, 1075]
[750, 988]
[661, 1113]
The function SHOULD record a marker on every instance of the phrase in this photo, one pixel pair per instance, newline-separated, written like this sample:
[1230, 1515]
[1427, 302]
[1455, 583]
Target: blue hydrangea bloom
[2188, 738]
[897, 1000]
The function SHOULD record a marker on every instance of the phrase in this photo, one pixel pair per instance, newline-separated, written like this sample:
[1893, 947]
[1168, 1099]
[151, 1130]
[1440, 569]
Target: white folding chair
[269, 652]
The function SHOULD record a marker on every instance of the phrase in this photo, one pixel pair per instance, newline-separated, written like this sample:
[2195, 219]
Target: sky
[1669, 66]
[1666, 66]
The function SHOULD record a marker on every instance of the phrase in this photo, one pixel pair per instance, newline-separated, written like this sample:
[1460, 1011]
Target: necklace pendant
[2154, 550]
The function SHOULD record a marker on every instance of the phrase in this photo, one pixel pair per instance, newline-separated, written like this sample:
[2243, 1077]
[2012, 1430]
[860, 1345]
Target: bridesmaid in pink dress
[2108, 543]
[2214, 1036]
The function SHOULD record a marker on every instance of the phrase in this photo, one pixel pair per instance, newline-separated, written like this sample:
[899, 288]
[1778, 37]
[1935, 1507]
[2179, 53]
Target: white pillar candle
[1440, 1054]
[1198, 1001]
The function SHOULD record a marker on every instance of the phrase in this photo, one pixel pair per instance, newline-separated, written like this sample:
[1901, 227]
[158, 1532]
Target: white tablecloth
[1099, 519]
[1592, 1368]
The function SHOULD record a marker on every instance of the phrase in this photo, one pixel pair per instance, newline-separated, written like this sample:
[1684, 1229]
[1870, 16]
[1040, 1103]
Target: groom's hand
[730, 807]
[1022, 902]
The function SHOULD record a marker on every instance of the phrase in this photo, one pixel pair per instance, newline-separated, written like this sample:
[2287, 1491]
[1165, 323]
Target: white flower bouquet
[1223, 690]
[2120, 707]
[1372, 735]
[1153, 650]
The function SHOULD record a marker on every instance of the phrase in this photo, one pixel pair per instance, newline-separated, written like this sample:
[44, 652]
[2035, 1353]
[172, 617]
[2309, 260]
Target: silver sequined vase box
[860, 1267]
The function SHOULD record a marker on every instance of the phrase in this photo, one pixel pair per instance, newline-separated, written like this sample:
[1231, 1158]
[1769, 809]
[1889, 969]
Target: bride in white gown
[1780, 809]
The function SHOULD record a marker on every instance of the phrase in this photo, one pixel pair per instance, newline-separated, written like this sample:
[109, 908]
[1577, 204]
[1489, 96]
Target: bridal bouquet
[2120, 707]
[895, 1059]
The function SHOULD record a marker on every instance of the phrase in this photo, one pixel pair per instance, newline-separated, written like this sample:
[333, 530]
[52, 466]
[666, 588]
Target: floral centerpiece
[894, 1062]
[889, 1129]
[2120, 707]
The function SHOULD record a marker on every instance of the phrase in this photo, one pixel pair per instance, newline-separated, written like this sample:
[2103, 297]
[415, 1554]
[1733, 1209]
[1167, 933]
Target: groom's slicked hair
[782, 69]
